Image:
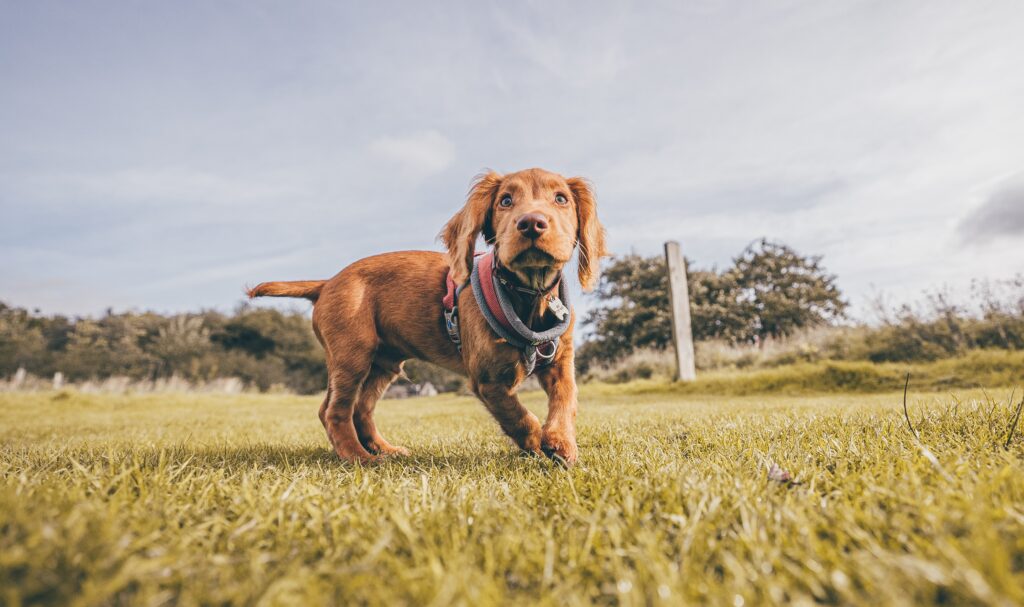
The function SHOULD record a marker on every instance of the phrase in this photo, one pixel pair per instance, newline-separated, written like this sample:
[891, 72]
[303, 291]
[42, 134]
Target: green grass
[197, 499]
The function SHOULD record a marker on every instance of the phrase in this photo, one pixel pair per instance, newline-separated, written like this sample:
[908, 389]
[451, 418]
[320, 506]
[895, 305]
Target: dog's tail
[310, 289]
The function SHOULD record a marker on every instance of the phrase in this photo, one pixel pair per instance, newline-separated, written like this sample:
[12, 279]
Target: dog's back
[390, 302]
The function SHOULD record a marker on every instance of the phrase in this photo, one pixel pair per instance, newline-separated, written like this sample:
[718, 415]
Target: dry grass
[976, 369]
[716, 355]
[805, 346]
[119, 384]
[200, 499]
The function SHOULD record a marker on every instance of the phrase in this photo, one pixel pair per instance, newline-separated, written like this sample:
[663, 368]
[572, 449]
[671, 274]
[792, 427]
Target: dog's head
[534, 219]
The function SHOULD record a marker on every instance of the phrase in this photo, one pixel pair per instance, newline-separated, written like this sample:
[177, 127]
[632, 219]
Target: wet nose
[532, 225]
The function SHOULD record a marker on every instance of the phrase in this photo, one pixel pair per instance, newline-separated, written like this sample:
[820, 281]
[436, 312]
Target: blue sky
[161, 155]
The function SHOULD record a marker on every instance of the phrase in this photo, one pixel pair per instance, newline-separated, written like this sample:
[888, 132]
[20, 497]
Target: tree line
[768, 292]
[262, 347]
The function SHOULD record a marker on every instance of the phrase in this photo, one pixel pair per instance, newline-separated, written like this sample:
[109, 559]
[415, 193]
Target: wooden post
[679, 299]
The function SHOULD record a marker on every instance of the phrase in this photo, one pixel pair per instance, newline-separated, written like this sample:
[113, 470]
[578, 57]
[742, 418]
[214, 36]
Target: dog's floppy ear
[591, 233]
[459, 234]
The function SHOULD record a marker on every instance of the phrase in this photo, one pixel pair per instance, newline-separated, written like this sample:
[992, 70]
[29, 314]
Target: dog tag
[558, 308]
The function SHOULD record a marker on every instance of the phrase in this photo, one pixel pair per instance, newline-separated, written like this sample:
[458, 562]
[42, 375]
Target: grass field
[194, 499]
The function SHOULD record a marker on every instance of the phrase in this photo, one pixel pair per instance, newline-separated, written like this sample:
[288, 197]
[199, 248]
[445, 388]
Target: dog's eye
[506, 201]
[561, 199]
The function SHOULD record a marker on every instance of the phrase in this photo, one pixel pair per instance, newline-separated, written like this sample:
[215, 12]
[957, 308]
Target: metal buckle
[540, 353]
[451, 321]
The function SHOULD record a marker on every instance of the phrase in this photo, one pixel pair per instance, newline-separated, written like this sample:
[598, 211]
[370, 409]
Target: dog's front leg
[559, 433]
[516, 420]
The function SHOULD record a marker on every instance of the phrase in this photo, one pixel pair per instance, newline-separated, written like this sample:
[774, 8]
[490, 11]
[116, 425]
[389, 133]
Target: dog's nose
[532, 225]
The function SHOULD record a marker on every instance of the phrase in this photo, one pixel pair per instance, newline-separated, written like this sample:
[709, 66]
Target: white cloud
[416, 155]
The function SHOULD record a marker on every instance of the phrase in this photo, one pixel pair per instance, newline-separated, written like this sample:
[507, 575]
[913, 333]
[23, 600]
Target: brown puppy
[383, 310]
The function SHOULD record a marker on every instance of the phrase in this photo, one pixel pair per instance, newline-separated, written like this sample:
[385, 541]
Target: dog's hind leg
[342, 393]
[349, 343]
[382, 373]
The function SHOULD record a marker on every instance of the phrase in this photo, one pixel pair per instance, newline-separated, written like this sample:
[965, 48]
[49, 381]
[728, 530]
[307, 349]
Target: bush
[265, 348]
[770, 292]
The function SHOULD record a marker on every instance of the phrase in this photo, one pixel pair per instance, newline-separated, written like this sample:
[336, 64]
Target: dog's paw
[358, 458]
[560, 448]
[394, 450]
[351, 450]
